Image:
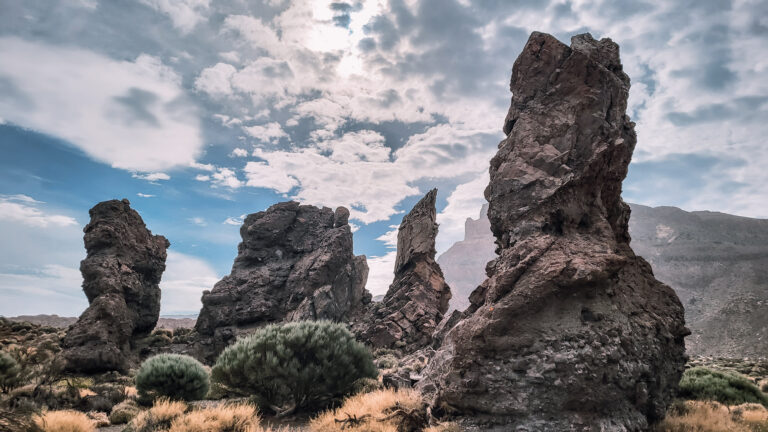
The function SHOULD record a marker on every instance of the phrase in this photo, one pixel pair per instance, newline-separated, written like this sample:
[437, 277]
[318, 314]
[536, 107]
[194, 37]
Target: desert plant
[10, 372]
[296, 365]
[123, 412]
[172, 375]
[727, 388]
[157, 418]
[224, 417]
[65, 421]
[378, 411]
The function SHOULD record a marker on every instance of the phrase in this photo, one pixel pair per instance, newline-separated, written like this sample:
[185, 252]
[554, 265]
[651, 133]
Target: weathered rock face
[571, 331]
[464, 262]
[295, 263]
[121, 277]
[418, 297]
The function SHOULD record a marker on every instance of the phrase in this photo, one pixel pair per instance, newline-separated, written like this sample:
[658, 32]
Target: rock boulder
[570, 331]
[295, 263]
[121, 277]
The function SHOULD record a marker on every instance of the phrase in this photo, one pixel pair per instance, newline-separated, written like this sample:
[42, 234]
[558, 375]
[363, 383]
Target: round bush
[172, 375]
[296, 365]
[727, 388]
[10, 372]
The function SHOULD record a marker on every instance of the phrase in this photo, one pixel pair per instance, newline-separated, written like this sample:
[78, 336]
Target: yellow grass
[163, 411]
[715, 417]
[229, 417]
[366, 407]
[86, 392]
[131, 391]
[65, 421]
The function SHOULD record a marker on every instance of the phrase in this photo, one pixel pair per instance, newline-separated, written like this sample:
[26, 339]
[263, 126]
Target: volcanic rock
[570, 331]
[295, 263]
[121, 277]
[418, 298]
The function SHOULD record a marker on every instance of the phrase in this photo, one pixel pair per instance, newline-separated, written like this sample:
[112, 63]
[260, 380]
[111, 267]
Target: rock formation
[295, 263]
[464, 262]
[418, 297]
[570, 331]
[121, 276]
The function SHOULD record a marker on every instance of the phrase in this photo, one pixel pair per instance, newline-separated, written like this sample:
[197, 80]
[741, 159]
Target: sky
[202, 111]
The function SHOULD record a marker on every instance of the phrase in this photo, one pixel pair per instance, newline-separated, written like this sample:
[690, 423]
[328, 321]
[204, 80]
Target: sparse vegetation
[727, 388]
[295, 365]
[698, 416]
[176, 416]
[124, 412]
[65, 421]
[10, 372]
[172, 375]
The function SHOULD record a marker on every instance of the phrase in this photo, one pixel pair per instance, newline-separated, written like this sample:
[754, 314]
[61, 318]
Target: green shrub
[172, 375]
[296, 365]
[10, 372]
[727, 388]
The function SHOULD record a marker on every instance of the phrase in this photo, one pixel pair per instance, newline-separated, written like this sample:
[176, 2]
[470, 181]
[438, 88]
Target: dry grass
[86, 392]
[715, 417]
[228, 417]
[65, 421]
[131, 391]
[366, 408]
[176, 417]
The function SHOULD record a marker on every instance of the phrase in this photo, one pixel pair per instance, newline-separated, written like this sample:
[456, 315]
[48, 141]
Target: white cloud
[464, 202]
[151, 177]
[216, 80]
[236, 221]
[381, 272]
[239, 152]
[226, 177]
[24, 209]
[143, 195]
[268, 133]
[58, 285]
[203, 178]
[185, 14]
[130, 114]
[198, 221]
[363, 176]
[183, 282]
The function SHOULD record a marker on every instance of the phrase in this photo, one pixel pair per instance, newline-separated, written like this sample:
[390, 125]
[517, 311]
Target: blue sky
[202, 111]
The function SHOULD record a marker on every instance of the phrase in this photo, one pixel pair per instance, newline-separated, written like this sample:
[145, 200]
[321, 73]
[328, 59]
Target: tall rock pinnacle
[418, 297]
[295, 263]
[121, 277]
[570, 331]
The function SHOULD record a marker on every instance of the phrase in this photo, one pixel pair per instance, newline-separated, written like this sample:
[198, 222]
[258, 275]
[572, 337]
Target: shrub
[172, 375]
[124, 412]
[157, 418]
[10, 372]
[225, 417]
[65, 421]
[727, 388]
[295, 365]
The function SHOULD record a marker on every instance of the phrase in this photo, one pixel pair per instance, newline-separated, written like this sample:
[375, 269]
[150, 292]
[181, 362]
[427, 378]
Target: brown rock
[571, 331]
[295, 263]
[418, 297]
[121, 277]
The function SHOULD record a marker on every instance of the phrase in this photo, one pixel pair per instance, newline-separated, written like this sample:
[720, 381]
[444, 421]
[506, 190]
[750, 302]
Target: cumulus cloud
[239, 152]
[236, 221]
[268, 133]
[132, 115]
[185, 14]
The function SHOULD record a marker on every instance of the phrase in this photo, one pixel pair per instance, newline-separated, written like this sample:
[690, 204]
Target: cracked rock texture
[418, 298]
[121, 277]
[571, 331]
[295, 263]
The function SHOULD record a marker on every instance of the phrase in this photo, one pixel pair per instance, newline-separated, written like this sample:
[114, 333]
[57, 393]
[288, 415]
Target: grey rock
[570, 331]
[295, 263]
[418, 298]
[121, 277]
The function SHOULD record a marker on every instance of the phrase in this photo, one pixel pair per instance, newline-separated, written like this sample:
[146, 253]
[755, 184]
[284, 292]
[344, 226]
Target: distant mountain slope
[180, 321]
[717, 263]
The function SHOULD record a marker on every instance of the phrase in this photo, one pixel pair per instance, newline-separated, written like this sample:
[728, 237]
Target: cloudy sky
[202, 111]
